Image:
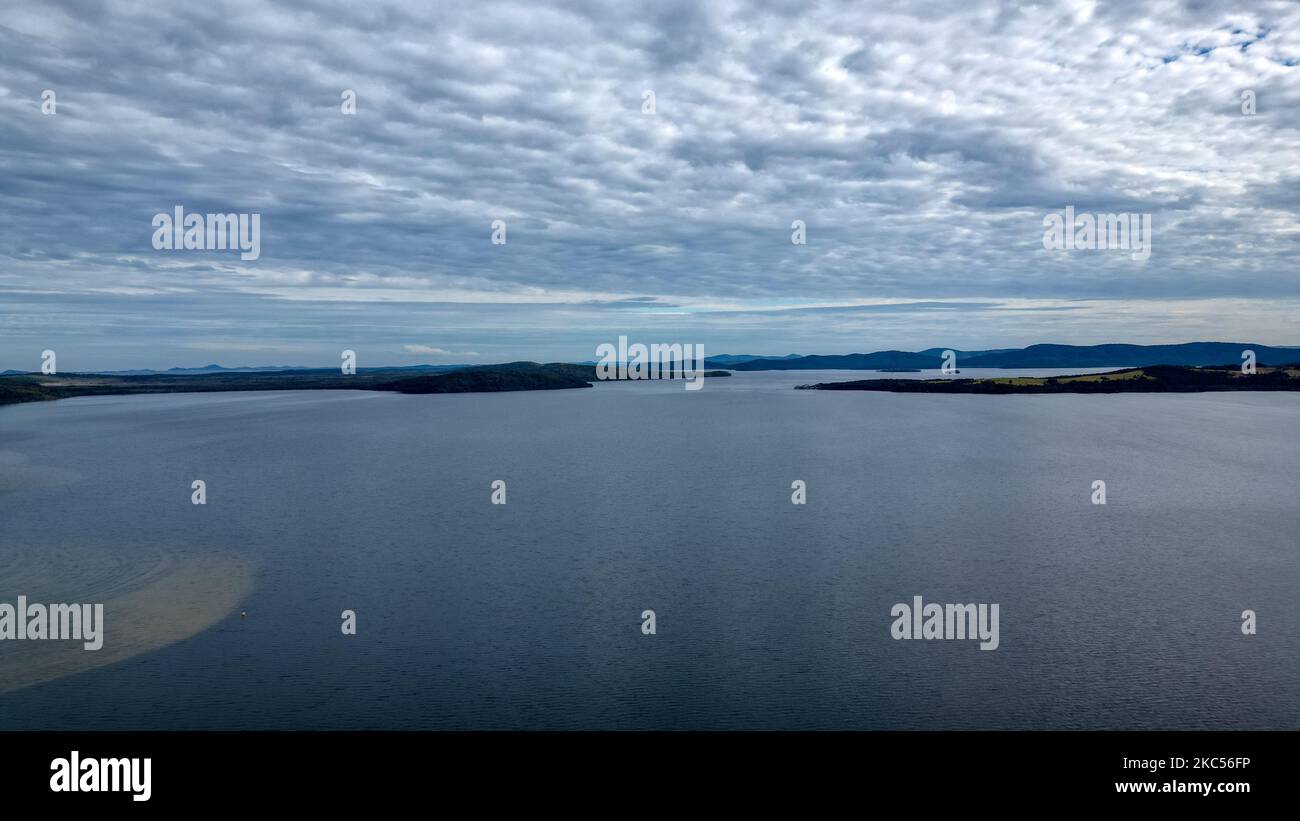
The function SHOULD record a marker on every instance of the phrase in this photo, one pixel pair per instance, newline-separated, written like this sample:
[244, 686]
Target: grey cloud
[921, 142]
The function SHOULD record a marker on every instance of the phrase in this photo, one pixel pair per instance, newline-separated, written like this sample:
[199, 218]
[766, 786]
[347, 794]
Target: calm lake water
[627, 497]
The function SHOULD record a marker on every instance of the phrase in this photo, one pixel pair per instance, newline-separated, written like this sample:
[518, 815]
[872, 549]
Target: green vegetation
[511, 376]
[1152, 379]
[516, 376]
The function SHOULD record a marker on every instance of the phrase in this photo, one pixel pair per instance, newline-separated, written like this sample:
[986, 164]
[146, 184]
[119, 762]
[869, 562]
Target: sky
[920, 142]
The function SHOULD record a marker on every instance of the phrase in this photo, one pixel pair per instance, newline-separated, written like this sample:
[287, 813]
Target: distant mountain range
[1035, 356]
[735, 359]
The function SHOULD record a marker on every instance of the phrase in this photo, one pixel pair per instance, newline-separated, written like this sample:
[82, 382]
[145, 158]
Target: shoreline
[510, 377]
[1153, 379]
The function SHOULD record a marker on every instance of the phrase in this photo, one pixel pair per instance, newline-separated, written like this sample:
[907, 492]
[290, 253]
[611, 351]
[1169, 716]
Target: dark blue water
[627, 497]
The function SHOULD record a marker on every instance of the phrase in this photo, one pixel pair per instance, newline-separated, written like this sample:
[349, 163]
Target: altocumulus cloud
[921, 143]
[431, 350]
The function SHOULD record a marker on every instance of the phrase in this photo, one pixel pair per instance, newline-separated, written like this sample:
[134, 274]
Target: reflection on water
[633, 496]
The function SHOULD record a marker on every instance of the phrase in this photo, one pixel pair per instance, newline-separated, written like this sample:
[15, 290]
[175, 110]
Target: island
[1150, 379]
[510, 376]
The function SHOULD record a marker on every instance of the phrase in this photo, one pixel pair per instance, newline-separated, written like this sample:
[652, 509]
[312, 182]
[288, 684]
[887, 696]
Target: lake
[634, 496]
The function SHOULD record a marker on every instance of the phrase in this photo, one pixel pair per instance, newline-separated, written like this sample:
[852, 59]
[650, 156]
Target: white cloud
[432, 351]
[921, 143]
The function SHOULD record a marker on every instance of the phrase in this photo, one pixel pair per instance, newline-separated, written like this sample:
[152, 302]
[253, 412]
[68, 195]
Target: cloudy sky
[922, 142]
